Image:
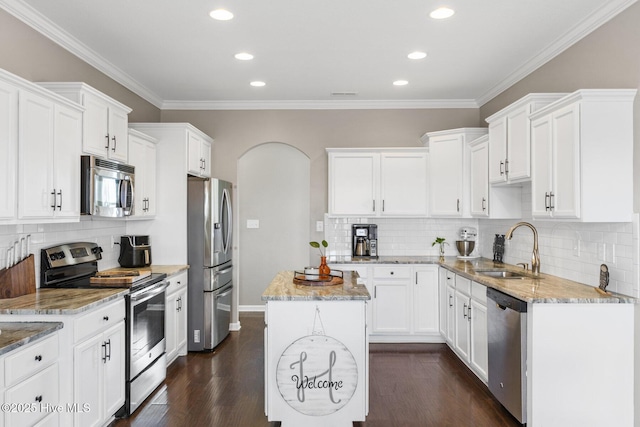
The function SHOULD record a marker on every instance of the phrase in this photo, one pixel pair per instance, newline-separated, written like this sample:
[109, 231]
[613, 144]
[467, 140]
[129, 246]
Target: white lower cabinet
[32, 384]
[404, 301]
[465, 303]
[99, 373]
[176, 316]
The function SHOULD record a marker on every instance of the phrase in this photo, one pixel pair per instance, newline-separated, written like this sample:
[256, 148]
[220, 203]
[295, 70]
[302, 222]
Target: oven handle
[148, 293]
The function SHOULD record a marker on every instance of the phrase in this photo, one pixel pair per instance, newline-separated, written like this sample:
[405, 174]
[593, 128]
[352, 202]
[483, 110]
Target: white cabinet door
[170, 316]
[88, 379]
[8, 150]
[353, 183]
[66, 178]
[566, 162]
[541, 160]
[479, 339]
[181, 322]
[518, 164]
[118, 134]
[442, 296]
[403, 184]
[462, 327]
[425, 300]
[480, 180]
[35, 135]
[198, 155]
[391, 309]
[142, 155]
[96, 137]
[497, 150]
[114, 369]
[446, 161]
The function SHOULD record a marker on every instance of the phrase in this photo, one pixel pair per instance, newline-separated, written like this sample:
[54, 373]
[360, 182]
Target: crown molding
[44, 26]
[562, 43]
[321, 105]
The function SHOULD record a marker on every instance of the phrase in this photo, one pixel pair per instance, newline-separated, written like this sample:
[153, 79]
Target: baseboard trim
[259, 308]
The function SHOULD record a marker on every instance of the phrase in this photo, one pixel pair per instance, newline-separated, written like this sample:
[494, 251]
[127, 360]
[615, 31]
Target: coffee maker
[364, 242]
[135, 251]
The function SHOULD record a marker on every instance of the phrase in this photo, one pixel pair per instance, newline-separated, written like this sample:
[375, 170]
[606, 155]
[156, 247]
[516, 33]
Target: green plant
[440, 241]
[317, 245]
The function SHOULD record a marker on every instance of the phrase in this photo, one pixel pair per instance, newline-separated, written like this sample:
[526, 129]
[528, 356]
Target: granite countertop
[169, 270]
[64, 301]
[17, 334]
[543, 288]
[282, 288]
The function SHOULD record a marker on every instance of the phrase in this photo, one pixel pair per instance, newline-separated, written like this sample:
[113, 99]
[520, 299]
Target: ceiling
[307, 51]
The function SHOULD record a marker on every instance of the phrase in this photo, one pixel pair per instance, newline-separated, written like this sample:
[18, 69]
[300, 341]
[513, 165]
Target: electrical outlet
[196, 335]
[253, 223]
[113, 242]
[319, 225]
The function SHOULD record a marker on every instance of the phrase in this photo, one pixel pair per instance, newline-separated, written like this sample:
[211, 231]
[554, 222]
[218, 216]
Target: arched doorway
[274, 190]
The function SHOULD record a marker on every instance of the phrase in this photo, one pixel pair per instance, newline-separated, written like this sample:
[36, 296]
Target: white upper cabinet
[490, 201]
[50, 136]
[449, 177]
[199, 155]
[378, 182]
[510, 138]
[105, 130]
[582, 157]
[8, 150]
[142, 156]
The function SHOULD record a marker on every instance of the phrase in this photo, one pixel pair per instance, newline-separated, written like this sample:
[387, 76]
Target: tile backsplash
[571, 250]
[45, 235]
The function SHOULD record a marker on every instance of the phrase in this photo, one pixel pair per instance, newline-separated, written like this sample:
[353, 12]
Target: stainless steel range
[72, 265]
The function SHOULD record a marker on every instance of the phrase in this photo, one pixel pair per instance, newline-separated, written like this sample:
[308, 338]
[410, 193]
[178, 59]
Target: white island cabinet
[316, 352]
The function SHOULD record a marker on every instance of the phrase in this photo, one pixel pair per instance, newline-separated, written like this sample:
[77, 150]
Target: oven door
[146, 327]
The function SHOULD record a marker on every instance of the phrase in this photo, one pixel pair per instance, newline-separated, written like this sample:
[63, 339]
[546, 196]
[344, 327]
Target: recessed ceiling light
[244, 56]
[442, 13]
[417, 55]
[257, 84]
[221, 14]
[400, 83]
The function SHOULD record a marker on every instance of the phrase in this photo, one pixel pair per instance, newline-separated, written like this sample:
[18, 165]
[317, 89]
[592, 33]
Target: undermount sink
[501, 274]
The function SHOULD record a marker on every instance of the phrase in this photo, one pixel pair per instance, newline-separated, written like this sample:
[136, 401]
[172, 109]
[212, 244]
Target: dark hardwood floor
[410, 385]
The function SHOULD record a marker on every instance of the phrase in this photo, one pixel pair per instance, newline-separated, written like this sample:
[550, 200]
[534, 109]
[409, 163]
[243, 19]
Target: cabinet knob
[391, 273]
[39, 398]
[38, 358]
[105, 318]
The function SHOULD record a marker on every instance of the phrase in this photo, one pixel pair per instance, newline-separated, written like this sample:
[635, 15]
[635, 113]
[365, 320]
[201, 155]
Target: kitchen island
[316, 352]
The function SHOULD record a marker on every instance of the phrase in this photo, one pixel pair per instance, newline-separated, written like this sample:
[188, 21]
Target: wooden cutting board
[115, 278]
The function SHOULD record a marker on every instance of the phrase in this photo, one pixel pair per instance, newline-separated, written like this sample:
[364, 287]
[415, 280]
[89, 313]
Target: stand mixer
[467, 242]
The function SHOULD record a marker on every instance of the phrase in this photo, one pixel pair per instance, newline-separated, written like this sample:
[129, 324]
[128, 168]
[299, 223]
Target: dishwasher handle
[504, 301]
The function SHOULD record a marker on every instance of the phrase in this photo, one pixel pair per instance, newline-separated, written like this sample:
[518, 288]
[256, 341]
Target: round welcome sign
[317, 375]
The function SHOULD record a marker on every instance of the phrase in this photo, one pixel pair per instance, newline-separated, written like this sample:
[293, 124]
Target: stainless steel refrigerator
[210, 265]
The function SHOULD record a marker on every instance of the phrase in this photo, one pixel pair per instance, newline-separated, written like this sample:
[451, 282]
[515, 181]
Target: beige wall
[607, 58]
[30, 55]
[311, 131]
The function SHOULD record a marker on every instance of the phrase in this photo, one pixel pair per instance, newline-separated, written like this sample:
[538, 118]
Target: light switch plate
[253, 223]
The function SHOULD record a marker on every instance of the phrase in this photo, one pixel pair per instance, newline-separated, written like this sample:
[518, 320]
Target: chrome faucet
[535, 256]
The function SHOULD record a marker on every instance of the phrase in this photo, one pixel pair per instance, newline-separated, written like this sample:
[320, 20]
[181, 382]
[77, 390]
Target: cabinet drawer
[99, 319]
[449, 277]
[26, 362]
[32, 394]
[393, 272]
[479, 292]
[463, 285]
[177, 282]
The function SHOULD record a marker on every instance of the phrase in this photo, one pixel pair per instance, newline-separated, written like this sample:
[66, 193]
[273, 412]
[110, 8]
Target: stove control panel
[70, 254]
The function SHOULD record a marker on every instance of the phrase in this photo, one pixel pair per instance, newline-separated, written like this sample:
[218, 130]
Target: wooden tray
[19, 279]
[115, 278]
[334, 278]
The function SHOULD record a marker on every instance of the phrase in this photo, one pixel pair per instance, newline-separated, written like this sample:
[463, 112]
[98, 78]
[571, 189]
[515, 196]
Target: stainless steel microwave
[107, 187]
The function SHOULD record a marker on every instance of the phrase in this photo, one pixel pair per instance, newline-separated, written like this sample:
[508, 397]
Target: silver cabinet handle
[382, 205]
[374, 205]
[458, 205]
[60, 205]
[114, 144]
[53, 193]
[501, 167]
[469, 313]
[464, 310]
[450, 302]
[484, 204]
[551, 196]
[107, 137]
[506, 167]
[546, 201]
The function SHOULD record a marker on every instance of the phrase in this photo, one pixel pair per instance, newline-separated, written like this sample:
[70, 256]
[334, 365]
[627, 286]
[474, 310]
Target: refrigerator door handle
[226, 205]
[221, 272]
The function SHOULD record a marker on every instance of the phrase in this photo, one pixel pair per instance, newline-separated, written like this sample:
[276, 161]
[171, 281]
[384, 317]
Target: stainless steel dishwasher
[507, 327]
